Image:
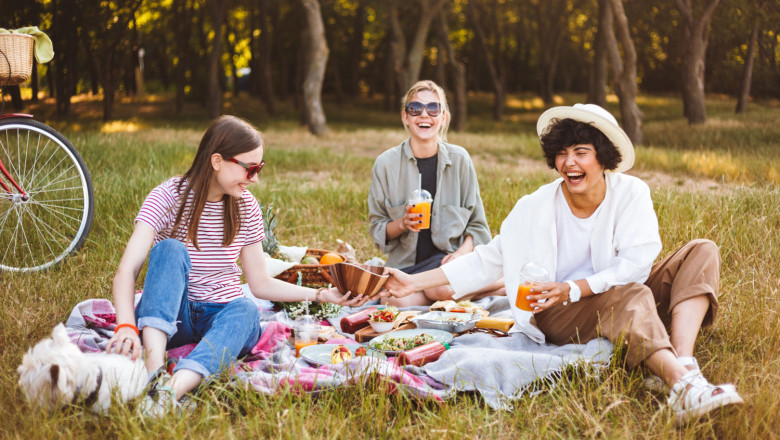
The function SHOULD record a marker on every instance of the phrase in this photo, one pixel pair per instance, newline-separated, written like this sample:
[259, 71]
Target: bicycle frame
[2, 166]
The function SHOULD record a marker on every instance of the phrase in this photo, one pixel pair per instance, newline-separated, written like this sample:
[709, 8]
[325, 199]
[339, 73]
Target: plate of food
[457, 307]
[330, 354]
[395, 342]
[452, 322]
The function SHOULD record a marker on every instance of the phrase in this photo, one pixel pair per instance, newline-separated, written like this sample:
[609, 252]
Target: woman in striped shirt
[197, 226]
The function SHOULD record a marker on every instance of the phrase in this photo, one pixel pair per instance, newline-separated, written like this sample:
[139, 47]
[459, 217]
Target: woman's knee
[170, 251]
[704, 248]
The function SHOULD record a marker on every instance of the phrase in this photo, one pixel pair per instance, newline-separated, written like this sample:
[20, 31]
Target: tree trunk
[696, 32]
[108, 81]
[356, 49]
[213, 91]
[414, 57]
[496, 77]
[597, 92]
[624, 71]
[34, 82]
[182, 27]
[459, 104]
[551, 18]
[397, 53]
[264, 71]
[747, 73]
[231, 50]
[317, 59]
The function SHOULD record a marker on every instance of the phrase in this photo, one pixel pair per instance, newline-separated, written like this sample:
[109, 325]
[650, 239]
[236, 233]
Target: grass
[320, 186]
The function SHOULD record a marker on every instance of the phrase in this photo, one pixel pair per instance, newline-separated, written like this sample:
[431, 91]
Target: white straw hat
[598, 117]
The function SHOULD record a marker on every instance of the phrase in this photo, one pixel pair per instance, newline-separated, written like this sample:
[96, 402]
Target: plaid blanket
[500, 369]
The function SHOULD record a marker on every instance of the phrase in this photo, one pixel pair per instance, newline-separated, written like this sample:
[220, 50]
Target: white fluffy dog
[55, 373]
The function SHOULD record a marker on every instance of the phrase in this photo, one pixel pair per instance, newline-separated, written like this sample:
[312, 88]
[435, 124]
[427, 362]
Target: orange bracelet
[127, 325]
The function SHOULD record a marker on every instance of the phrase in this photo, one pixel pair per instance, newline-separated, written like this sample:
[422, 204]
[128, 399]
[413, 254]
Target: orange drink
[523, 290]
[300, 344]
[423, 208]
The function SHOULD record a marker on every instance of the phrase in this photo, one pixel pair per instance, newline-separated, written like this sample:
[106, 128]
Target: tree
[213, 90]
[597, 93]
[696, 33]
[744, 93]
[497, 76]
[459, 103]
[624, 70]
[316, 61]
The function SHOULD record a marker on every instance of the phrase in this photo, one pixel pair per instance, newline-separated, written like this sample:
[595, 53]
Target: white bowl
[381, 326]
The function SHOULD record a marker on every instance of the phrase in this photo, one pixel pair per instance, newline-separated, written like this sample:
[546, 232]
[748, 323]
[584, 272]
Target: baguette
[503, 324]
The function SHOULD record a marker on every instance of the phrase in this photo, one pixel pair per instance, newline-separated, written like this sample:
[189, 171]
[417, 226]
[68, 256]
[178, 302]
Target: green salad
[402, 343]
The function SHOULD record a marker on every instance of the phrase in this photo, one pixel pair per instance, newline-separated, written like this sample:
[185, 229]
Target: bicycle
[46, 195]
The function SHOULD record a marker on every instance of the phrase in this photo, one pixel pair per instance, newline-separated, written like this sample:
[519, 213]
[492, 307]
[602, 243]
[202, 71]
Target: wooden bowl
[360, 279]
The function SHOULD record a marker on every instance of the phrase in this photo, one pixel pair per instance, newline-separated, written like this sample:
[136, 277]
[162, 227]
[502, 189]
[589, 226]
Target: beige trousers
[637, 315]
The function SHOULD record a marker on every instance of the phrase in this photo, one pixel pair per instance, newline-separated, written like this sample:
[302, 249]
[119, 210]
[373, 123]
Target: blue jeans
[223, 331]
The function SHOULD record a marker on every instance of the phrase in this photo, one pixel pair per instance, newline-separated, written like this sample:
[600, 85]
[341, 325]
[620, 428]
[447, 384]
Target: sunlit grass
[320, 187]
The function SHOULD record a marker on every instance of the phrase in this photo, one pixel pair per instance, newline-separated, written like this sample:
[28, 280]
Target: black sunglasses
[251, 170]
[415, 108]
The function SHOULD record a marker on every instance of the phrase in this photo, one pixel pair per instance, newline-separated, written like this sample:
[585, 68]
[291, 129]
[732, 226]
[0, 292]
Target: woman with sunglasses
[426, 160]
[197, 226]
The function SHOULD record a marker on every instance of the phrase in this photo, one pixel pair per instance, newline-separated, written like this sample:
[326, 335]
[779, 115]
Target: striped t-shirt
[215, 277]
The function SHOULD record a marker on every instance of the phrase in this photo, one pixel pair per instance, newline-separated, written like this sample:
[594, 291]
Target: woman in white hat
[595, 231]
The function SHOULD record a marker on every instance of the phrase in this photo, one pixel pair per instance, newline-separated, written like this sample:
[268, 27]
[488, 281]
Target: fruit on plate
[360, 351]
[340, 354]
[331, 258]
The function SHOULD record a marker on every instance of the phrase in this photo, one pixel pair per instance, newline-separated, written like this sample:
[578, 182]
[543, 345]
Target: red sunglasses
[251, 170]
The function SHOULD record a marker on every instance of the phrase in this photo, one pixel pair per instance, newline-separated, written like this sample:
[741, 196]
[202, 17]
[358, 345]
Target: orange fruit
[331, 258]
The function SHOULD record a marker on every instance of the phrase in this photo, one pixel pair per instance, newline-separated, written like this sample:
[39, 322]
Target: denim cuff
[160, 324]
[188, 364]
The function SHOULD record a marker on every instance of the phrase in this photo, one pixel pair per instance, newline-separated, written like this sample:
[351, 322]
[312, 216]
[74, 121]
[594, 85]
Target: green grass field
[717, 181]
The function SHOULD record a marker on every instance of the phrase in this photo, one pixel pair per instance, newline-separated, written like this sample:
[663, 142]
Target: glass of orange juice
[531, 275]
[421, 199]
[306, 331]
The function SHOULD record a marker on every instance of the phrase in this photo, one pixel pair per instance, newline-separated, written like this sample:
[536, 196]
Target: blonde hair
[430, 86]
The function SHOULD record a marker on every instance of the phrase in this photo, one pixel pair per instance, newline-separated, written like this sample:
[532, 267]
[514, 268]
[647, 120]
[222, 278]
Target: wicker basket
[312, 274]
[16, 60]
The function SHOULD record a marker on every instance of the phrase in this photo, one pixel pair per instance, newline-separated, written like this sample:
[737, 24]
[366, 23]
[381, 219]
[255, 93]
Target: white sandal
[656, 384]
[692, 397]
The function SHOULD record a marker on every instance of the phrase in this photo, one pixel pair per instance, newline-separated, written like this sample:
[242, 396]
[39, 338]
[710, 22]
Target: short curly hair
[564, 133]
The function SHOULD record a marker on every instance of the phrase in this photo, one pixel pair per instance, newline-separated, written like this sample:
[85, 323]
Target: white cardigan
[623, 245]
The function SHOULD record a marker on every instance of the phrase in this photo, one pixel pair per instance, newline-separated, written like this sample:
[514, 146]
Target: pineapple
[271, 243]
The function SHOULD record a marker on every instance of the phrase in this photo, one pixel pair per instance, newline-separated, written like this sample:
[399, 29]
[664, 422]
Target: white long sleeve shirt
[624, 244]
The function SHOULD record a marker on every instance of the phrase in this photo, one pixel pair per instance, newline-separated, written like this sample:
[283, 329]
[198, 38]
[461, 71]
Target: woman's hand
[333, 295]
[125, 342]
[555, 293]
[411, 220]
[398, 285]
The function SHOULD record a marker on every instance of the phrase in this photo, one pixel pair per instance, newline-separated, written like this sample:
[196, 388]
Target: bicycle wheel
[52, 222]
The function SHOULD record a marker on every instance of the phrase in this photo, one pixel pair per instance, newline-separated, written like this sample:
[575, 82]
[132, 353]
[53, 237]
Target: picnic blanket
[500, 369]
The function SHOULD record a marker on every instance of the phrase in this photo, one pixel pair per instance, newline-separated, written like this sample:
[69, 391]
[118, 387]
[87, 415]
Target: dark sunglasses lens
[414, 108]
[433, 108]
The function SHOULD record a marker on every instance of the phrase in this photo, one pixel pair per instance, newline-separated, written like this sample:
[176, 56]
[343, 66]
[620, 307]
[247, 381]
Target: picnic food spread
[402, 343]
[340, 354]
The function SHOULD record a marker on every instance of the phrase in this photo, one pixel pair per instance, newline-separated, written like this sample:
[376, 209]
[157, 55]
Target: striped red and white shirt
[215, 277]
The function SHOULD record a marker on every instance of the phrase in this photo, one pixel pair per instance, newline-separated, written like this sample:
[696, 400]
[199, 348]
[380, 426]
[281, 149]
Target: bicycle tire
[53, 222]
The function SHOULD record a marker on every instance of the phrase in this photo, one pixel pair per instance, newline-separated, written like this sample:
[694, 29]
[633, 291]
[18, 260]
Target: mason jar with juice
[306, 331]
[421, 204]
[531, 275]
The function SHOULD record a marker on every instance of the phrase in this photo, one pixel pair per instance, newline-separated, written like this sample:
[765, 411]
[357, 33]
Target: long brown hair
[227, 136]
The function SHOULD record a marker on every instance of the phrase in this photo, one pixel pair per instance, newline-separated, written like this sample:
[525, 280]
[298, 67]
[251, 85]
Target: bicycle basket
[16, 58]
